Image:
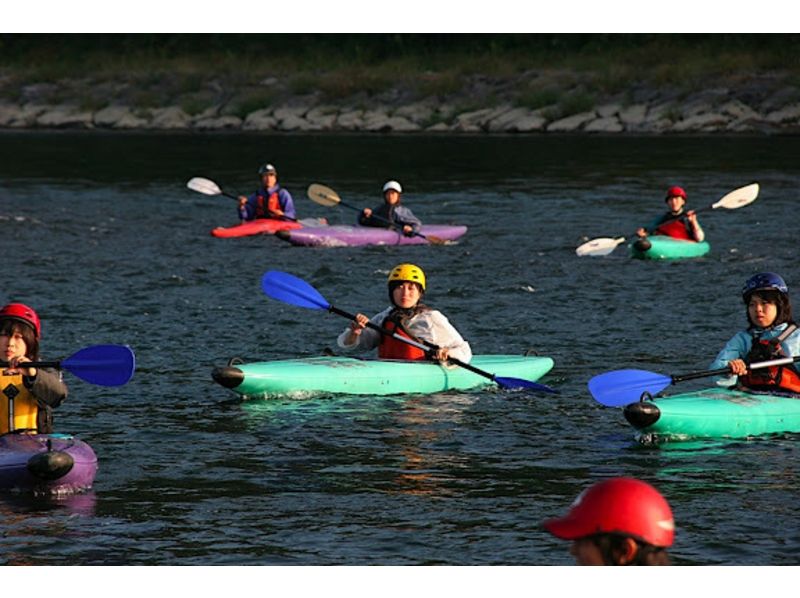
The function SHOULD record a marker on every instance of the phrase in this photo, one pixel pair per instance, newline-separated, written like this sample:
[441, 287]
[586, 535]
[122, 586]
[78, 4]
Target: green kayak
[662, 247]
[715, 413]
[346, 375]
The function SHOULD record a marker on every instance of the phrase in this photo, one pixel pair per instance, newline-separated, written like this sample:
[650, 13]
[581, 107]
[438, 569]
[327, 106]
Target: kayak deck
[46, 464]
[663, 247]
[716, 413]
[352, 236]
[347, 375]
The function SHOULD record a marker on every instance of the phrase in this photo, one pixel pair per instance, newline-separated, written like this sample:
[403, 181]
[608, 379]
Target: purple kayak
[352, 236]
[46, 464]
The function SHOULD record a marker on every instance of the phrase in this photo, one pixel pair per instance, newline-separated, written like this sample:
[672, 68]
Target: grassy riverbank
[196, 70]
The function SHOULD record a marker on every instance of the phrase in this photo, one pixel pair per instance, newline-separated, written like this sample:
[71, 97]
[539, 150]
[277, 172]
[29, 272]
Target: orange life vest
[779, 377]
[19, 409]
[391, 348]
[267, 207]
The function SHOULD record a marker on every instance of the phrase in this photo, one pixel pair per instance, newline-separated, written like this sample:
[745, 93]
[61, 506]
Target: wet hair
[612, 545]
[9, 326]
[780, 300]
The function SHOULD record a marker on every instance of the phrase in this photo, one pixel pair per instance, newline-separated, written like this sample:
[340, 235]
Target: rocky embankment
[746, 108]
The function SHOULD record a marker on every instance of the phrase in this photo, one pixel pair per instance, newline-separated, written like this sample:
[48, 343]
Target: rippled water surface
[101, 235]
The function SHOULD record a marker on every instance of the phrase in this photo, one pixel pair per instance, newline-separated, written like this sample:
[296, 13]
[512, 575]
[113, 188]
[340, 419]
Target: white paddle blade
[204, 186]
[599, 247]
[738, 197]
[323, 195]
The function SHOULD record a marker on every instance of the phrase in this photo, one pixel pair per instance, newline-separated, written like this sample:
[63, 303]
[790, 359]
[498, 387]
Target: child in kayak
[771, 334]
[674, 223]
[621, 521]
[391, 214]
[27, 395]
[269, 201]
[409, 318]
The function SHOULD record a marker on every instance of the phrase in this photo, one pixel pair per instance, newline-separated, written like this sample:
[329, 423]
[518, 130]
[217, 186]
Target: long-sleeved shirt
[256, 206]
[739, 346]
[429, 325]
[385, 214]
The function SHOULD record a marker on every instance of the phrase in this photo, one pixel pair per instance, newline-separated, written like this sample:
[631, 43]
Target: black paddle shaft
[720, 371]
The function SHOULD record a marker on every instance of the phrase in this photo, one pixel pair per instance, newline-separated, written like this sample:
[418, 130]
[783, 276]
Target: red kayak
[261, 226]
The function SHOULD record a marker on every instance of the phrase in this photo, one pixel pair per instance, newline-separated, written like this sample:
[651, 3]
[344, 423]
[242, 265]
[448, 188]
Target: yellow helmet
[407, 272]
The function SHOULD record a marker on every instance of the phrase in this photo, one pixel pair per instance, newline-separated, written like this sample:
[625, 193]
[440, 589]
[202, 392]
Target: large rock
[476, 120]
[739, 110]
[260, 120]
[633, 115]
[712, 121]
[171, 117]
[110, 115]
[786, 114]
[9, 113]
[571, 123]
[218, 122]
[420, 112]
[65, 117]
[351, 120]
[503, 121]
[322, 118]
[610, 124]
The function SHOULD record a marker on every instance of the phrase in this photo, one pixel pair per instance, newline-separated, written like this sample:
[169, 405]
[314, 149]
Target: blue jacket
[250, 210]
[739, 346]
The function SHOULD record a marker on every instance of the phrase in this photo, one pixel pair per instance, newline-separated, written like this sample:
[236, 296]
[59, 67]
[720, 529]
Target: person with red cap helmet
[621, 521]
[390, 213]
[771, 334]
[675, 222]
[27, 394]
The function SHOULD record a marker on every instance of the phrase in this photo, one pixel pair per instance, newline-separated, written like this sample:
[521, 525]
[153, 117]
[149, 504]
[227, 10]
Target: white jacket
[430, 325]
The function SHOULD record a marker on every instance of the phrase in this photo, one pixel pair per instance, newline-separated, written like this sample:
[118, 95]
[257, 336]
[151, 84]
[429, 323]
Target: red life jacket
[779, 377]
[676, 229]
[267, 207]
[391, 348]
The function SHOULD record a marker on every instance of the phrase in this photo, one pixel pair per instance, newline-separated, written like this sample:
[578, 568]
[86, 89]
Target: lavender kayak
[46, 463]
[351, 236]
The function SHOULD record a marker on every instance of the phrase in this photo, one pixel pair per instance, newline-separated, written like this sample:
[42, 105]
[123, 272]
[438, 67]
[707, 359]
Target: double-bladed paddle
[104, 365]
[290, 289]
[623, 387]
[209, 187]
[325, 196]
[735, 199]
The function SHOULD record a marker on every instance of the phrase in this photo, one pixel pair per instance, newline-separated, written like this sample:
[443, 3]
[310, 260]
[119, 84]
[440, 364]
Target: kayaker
[269, 201]
[27, 395]
[390, 214]
[771, 334]
[620, 521]
[410, 318]
[674, 223]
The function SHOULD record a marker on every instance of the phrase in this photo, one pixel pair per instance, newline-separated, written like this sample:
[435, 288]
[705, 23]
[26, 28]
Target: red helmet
[618, 506]
[22, 313]
[676, 192]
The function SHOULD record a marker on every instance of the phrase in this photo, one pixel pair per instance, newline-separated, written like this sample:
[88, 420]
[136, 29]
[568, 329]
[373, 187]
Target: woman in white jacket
[407, 317]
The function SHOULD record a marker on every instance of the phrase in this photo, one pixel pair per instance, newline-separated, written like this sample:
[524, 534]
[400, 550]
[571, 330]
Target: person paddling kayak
[621, 521]
[771, 334]
[269, 201]
[27, 395]
[391, 214]
[407, 317]
[674, 223]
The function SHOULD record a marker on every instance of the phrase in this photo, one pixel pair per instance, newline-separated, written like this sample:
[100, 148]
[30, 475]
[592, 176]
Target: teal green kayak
[662, 247]
[715, 413]
[346, 375]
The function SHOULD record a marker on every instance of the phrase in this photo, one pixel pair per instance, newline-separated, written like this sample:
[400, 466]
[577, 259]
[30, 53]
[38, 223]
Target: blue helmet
[765, 281]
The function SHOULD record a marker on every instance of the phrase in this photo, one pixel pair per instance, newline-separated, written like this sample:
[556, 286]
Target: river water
[101, 235]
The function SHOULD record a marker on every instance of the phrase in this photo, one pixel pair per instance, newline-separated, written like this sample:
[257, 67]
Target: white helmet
[392, 185]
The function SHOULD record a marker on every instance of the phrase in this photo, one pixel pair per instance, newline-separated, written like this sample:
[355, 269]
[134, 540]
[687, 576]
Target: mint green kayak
[346, 375]
[662, 247]
[715, 413]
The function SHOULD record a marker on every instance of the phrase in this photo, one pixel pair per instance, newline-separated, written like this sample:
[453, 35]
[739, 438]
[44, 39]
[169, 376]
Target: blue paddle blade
[290, 289]
[623, 387]
[104, 365]
[520, 383]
